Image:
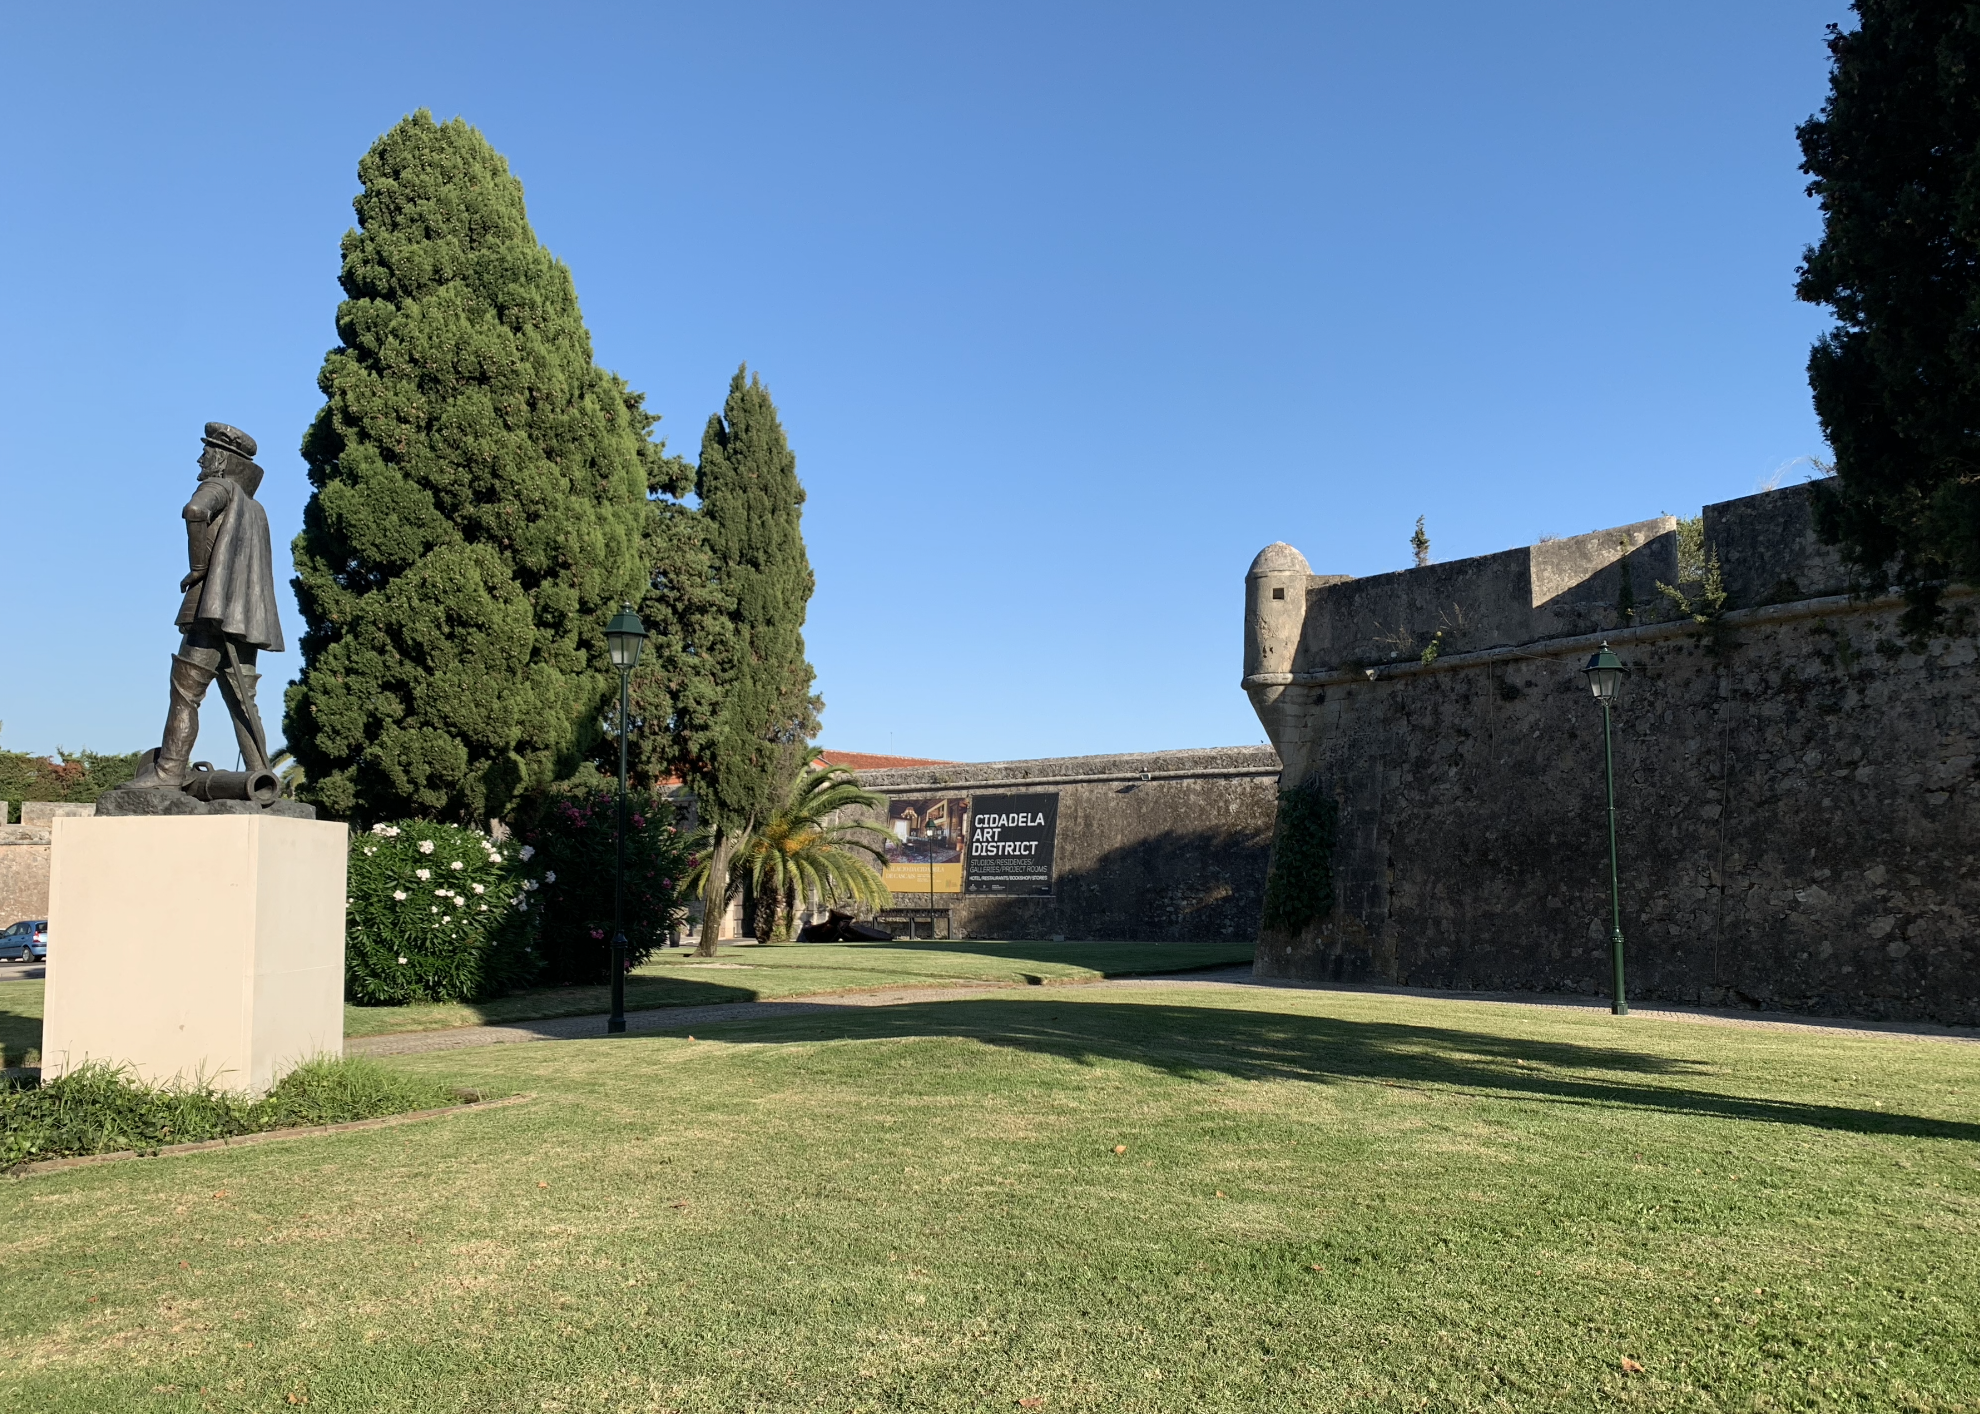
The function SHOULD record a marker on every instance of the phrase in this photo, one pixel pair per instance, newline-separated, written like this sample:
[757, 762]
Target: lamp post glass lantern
[625, 636]
[1605, 673]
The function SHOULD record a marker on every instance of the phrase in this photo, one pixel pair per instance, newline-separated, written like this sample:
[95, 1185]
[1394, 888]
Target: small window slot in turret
[1279, 593]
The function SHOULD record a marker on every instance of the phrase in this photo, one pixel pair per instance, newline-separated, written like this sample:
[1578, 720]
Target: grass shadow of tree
[19, 1034]
[1199, 1043]
[1112, 957]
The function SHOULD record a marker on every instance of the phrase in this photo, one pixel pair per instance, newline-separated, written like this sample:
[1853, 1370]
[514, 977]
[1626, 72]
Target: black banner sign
[1010, 844]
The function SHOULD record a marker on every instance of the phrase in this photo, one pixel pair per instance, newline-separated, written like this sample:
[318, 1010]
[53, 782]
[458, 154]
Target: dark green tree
[1895, 160]
[481, 501]
[740, 755]
[676, 691]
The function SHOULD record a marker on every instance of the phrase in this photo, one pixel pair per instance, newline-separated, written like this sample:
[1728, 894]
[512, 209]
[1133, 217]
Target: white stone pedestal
[195, 946]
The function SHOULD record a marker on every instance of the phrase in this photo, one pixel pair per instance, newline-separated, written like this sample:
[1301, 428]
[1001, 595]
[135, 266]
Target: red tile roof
[867, 761]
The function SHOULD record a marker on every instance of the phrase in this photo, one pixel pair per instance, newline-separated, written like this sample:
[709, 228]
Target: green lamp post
[1605, 674]
[928, 834]
[625, 636]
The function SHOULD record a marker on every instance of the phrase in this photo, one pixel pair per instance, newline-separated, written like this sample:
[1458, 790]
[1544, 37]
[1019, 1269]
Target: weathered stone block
[41, 812]
[1768, 552]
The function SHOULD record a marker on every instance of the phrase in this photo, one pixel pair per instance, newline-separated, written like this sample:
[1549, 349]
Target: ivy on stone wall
[1300, 887]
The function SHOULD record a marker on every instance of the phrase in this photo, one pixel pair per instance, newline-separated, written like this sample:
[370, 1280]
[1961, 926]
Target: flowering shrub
[574, 840]
[438, 914]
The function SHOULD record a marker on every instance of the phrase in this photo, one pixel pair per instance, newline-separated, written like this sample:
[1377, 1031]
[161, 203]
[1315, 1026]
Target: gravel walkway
[689, 1018]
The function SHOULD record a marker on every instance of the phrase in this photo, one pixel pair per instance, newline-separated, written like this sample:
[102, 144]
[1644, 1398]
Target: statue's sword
[244, 696]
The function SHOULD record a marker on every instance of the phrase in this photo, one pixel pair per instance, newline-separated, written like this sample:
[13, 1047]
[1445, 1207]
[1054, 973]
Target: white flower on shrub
[399, 894]
[434, 909]
[386, 830]
[481, 888]
[457, 865]
[422, 873]
[371, 849]
[446, 918]
[528, 853]
[484, 908]
[550, 876]
[402, 962]
[529, 886]
[426, 846]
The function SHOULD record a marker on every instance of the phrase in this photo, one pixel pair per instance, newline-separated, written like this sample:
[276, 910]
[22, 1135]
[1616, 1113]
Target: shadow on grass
[1200, 1042]
[1095, 954]
[642, 993]
[1120, 958]
[18, 1035]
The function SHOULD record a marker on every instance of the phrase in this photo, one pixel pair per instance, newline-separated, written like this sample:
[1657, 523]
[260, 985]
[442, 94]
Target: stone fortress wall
[24, 859]
[1157, 846]
[1797, 787]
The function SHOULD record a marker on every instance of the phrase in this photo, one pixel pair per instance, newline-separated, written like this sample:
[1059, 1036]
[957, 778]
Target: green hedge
[101, 1109]
[575, 836]
[439, 913]
[76, 776]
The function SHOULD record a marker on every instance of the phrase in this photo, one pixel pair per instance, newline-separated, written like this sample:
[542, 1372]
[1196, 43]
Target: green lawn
[1324, 1202]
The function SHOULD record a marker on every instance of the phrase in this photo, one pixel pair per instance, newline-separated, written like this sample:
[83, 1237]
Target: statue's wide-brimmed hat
[229, 439]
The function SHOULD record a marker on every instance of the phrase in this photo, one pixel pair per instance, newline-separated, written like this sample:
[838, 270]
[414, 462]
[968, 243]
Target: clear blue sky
[1069, 308]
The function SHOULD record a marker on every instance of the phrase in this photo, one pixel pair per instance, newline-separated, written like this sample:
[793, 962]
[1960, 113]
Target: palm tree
[288, 769]
[803, 855]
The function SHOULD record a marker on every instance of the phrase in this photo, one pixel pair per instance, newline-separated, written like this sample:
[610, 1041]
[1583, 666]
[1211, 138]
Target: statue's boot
[239, 692]
[171, 765]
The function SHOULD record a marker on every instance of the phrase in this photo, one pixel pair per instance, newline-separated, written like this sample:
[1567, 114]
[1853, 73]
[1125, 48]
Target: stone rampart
[24, 858]
[23, 873]
[1796, 782]
[1157, 846]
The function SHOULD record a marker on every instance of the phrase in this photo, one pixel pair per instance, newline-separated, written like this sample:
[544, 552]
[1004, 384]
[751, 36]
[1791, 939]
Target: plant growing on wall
[1708, 604]
[1895, 161]
[1625, 585]
[1300, 886]
[1691, 548]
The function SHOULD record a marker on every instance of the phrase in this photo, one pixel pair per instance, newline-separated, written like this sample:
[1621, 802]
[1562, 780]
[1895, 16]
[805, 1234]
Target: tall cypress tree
[480, 504]
[677, 690]
[740, 757]
[1895, 158]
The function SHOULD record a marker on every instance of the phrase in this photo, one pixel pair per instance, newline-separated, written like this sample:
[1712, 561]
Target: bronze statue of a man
[228, 614]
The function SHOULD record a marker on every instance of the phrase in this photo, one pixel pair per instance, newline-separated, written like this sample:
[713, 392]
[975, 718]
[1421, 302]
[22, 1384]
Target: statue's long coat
[237, 597]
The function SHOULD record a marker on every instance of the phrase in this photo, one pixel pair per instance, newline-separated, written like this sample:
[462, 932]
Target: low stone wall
[1156, 846]
[24, 858]
[23, 873]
